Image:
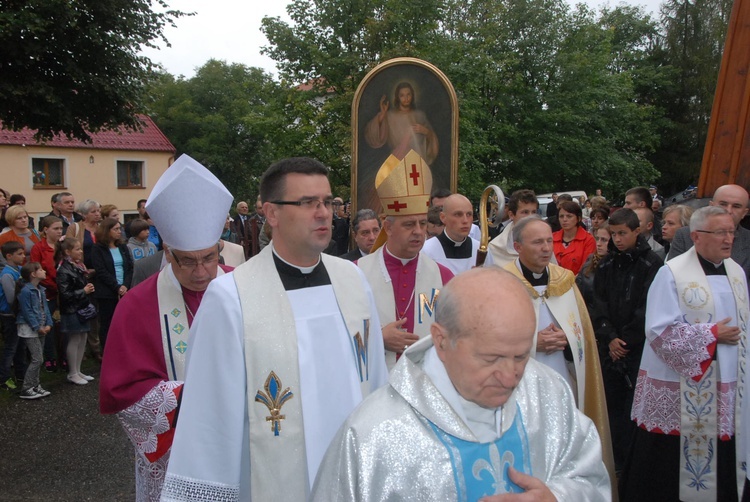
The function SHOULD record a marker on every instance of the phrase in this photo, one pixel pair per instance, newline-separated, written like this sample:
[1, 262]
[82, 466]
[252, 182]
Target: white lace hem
[182, 489]
[656, 405]
[147, 418]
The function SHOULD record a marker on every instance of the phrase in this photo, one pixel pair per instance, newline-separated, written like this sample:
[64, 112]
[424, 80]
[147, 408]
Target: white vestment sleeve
[209, 454]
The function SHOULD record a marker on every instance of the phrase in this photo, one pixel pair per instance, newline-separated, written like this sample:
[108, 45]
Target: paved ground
[60, 448]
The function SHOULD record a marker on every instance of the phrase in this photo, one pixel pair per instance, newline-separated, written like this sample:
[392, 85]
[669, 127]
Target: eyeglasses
[192, 263]
[309, 203]
[718, 233]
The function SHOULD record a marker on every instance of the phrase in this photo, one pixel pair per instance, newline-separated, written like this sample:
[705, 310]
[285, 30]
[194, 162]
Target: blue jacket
[15, 273]
[31, 303]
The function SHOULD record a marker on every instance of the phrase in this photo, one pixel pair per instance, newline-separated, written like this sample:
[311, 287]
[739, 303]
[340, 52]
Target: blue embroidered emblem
[178, 328]
[481, 469]
[274, 399]
[175, 312]
[181, 347]
[427, 305]
[361, 345]
[698, 448]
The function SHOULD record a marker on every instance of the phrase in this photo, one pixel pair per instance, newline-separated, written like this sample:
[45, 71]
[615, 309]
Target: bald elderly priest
[468, 415]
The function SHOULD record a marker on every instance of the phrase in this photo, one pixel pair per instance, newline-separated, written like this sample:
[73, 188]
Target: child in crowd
[138, 244]
[14, 348]
[621, 285]
[34, 321]
[43, 252]
[74, 289]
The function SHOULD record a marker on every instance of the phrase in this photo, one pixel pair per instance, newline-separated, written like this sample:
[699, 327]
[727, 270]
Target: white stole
[173, 321]
[699, 400]
[426, 291]
[276, 429]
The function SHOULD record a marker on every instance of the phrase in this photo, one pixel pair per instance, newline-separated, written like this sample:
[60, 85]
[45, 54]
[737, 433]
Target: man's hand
[395, 338]
[617, 349]
[551, 339]
[727, 334]
[536, 490]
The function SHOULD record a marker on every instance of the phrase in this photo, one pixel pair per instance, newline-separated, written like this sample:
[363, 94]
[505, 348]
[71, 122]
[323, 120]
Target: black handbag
[87, 313]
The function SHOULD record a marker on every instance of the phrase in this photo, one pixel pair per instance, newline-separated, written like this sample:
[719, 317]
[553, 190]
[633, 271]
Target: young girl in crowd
[43, 252]
[74, 290]
[34, 322]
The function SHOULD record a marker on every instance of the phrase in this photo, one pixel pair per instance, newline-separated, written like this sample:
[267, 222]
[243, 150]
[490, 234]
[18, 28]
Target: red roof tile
[149, 139]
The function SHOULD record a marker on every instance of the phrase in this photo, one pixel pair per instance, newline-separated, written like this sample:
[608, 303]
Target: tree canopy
[71, 66]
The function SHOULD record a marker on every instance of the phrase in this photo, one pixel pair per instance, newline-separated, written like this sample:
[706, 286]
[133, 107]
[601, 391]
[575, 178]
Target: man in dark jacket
[621, 286]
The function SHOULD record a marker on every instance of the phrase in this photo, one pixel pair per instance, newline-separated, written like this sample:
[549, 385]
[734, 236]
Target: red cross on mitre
[414, 175]
[396, 206]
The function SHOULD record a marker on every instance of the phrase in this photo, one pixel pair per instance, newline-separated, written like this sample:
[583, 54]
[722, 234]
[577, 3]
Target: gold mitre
[404, 186]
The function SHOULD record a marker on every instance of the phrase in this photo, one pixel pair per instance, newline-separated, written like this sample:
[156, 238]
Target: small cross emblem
[414, 174]
[397, 206]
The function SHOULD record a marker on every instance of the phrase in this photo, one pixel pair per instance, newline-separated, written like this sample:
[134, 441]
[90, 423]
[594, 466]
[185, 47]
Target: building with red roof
[117, 167]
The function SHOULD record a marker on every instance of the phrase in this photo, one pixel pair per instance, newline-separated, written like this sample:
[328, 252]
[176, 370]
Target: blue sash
[481, 469]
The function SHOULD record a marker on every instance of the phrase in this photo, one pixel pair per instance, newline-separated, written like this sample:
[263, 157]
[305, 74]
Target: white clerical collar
[404, 261]
[304, 270]
[363, 253]
[455, 243]
[485, 424]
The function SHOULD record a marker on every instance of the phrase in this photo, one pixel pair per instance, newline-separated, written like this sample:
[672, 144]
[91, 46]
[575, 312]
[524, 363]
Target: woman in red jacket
[572, 244]
[43, 253]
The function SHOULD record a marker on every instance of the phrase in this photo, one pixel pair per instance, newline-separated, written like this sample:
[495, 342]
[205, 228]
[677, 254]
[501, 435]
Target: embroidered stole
[427, 289]
[173, 322]
[277, 439]
[481, 469]
[699, 400]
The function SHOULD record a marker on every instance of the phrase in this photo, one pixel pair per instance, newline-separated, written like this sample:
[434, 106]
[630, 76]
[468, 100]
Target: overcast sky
[229, 30]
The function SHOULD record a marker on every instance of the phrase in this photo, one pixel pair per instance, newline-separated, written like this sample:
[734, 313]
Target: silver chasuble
[174, 321]
[302, 381]
[418, 440]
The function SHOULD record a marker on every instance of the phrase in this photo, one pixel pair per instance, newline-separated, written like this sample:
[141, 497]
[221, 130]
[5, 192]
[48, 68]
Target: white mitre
[189, 206]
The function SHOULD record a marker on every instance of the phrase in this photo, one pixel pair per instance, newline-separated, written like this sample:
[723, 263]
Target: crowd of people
[595, 352]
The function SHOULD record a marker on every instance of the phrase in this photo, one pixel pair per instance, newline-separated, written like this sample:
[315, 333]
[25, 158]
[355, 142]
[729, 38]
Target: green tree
[691, 46]
[233, 119]
[71, 66]
[546, 98]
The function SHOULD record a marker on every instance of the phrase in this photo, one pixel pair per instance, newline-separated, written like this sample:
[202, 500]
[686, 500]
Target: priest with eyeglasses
[282, 351]
[144, 363]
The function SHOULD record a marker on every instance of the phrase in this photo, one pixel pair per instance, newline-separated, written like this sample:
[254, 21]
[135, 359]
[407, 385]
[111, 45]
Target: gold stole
[277, 439]
[699, 400]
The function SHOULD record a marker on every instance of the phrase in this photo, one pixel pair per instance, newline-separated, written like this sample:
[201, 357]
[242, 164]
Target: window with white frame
[48, 172]
[129, 174]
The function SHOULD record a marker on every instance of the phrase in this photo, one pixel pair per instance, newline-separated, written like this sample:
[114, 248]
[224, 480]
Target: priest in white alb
[454, 247]
[522, 203]
[281, 353]
[565, 339]
[688, 396]
[144, 364]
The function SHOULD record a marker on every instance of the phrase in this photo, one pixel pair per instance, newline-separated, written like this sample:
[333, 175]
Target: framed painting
[403, 104]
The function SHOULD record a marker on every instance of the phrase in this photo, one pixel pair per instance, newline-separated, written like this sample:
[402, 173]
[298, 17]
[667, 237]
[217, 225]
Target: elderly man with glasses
[144, 362]
[282, 351]
[691, 382]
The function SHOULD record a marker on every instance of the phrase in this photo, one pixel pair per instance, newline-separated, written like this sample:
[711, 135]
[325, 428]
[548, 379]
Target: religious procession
[397, 342]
